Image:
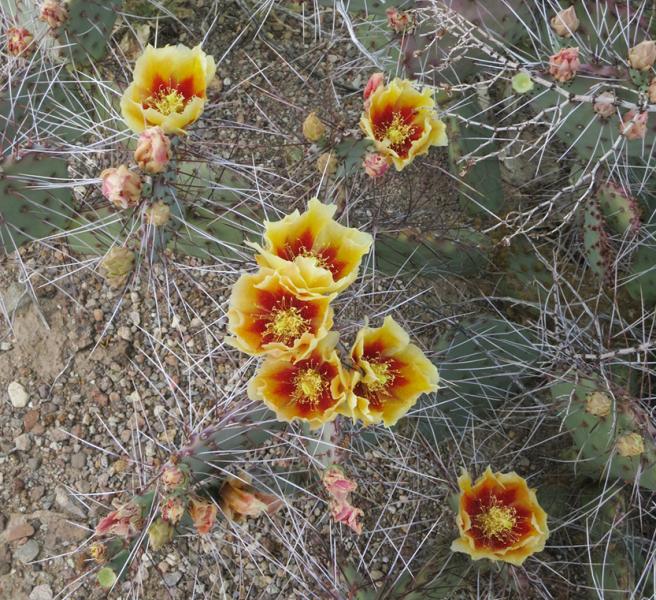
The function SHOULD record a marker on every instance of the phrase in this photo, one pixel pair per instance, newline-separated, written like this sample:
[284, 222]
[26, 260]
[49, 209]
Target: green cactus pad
[598, 252]
[641, 280]
[621, 211]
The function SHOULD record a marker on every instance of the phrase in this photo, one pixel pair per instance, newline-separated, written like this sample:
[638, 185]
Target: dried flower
[160, 533]
[19, 41]
[54, 13]
[98, 552]
[124, 522]
[327, 163]
[565, 23]
[598, 404]
[643, 56]
[153, 151]
[400, 21]
[630, 444]
[375, 165]
[173, 509]
[634, 127]
[158, 214]
[604, 105]
[203, 514]
[339, 488]
[117, 265]
[522, 82]
[499, 518]
[375, 81]
[168, 88]
[239, 499]
[173, 477]
[564, 64]
[313, 128]
[121, 186]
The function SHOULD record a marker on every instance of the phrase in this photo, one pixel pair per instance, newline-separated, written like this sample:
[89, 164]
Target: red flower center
[397, 127]
[170, 96]
[303, 245]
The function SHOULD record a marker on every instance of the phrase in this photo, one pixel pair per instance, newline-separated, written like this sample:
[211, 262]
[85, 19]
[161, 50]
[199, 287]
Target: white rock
[17, 395]
[23, 442]
[41, 592]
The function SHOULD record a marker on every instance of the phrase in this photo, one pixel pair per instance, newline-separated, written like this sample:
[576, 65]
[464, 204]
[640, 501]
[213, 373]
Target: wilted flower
[121, 186]
[402, 123]
[630, 444]
[375, 81]
[564, 64]
[598, 404]
[19, 41]
[400, 21]
[124, 522]
[392, 373]
[643, 56]
[604, 105]
[375, 165]
[313, 389]
[499, 518]
[326, 163]
[313, 128]
[153, 151]
[324, 255]
[173, 509]
[634, 127]
[565, 23]
[158, 214]
[268, 313]
[117, 265]
[522, 82]
[160, 533]
[239, 499]
[339, 488]
[173, 477]
[203, 514]
[53, 12]
[98, 552]
[168, 88]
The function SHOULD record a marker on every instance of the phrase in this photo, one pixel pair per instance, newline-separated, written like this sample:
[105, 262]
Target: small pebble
[17, 395]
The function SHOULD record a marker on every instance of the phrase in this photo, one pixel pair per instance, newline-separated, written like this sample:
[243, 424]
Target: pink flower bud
[400, 21]
[339, 488]
[54, 13]
[565, 23]
[375, 165]
[643, 56]
[153, 151]
[564, 64]
[634, 127]
[604, 106]
[124, 522]
[121, 186]
[19, 41]
[203, 514]
[375, 81]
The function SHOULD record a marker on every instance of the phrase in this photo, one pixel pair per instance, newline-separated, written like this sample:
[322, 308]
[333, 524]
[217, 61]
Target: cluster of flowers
[283, 312]
[20, 41]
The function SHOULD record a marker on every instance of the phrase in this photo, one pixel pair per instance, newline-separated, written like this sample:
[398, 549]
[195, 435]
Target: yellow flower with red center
[269, 313]
[325, 255]
[168, 88]
[499, 518]
[392, 373]
[313, 389]
[402, 123]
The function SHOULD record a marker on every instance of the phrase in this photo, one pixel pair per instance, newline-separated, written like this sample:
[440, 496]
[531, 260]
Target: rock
[78, 460]
[30, 419]
[36, 493]
[23, 442]
[171, 579]
[17, 395]
[27, 552]
[18, 528]
[41, 592]
[124, 333]
[66, 503]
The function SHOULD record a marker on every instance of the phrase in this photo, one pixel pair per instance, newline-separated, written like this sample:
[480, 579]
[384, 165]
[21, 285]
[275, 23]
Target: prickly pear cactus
[598, 252]
[620, 210]
[641, 280]
[33, 203]
[612, 432]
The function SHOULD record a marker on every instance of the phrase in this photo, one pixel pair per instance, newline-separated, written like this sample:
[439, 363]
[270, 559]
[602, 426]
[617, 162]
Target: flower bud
[630, 444]
[375, 81]
[54, 13]
[375, 165]
[203, 514]
[153, 151]
[522, 83]
[565, 23]
[172, 510]
[652, 91]
[158, 214]
[643, 56]
[239, 500]
[564, 64]
[604, 106]
[400, 21]
[19, 41]
[160, 533]
[326, 163]
[598, 404]
[121, 186]
[173, 477]
[634, 127]
[117, 265]
[313, 128]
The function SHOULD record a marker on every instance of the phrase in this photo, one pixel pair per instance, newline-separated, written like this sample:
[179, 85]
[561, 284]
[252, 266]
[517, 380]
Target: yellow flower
[313, 389]
[325, 254]
[168, 88]
[499, 518]
[269, 314]
[401, 122]
[392, 373]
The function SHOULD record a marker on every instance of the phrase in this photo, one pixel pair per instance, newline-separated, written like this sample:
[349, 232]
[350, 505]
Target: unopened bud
[598, 404]
[631, 444]
[153, 151]
[121, 186]
[19, 41]
[375, 81]
[565, 23]
[634, 127]
[400, 21]
[643, 56]
[564, 64]
[160, 533]
[117, 265]
[326, 163]
[604, 105]
[313, 128]
[53, 12]
[375, 165]
[158, 214]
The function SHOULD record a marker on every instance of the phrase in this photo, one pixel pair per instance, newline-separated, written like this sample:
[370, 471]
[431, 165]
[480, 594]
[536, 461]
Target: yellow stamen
[167, 101]
[286, 325]
[497, 521]
[398, 130]
[384, 375]
[308, 387]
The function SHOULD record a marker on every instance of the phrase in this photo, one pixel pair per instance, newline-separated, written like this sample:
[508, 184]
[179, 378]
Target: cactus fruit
[612, 435]
[33, 204]
[621, 211]
[598, 252]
